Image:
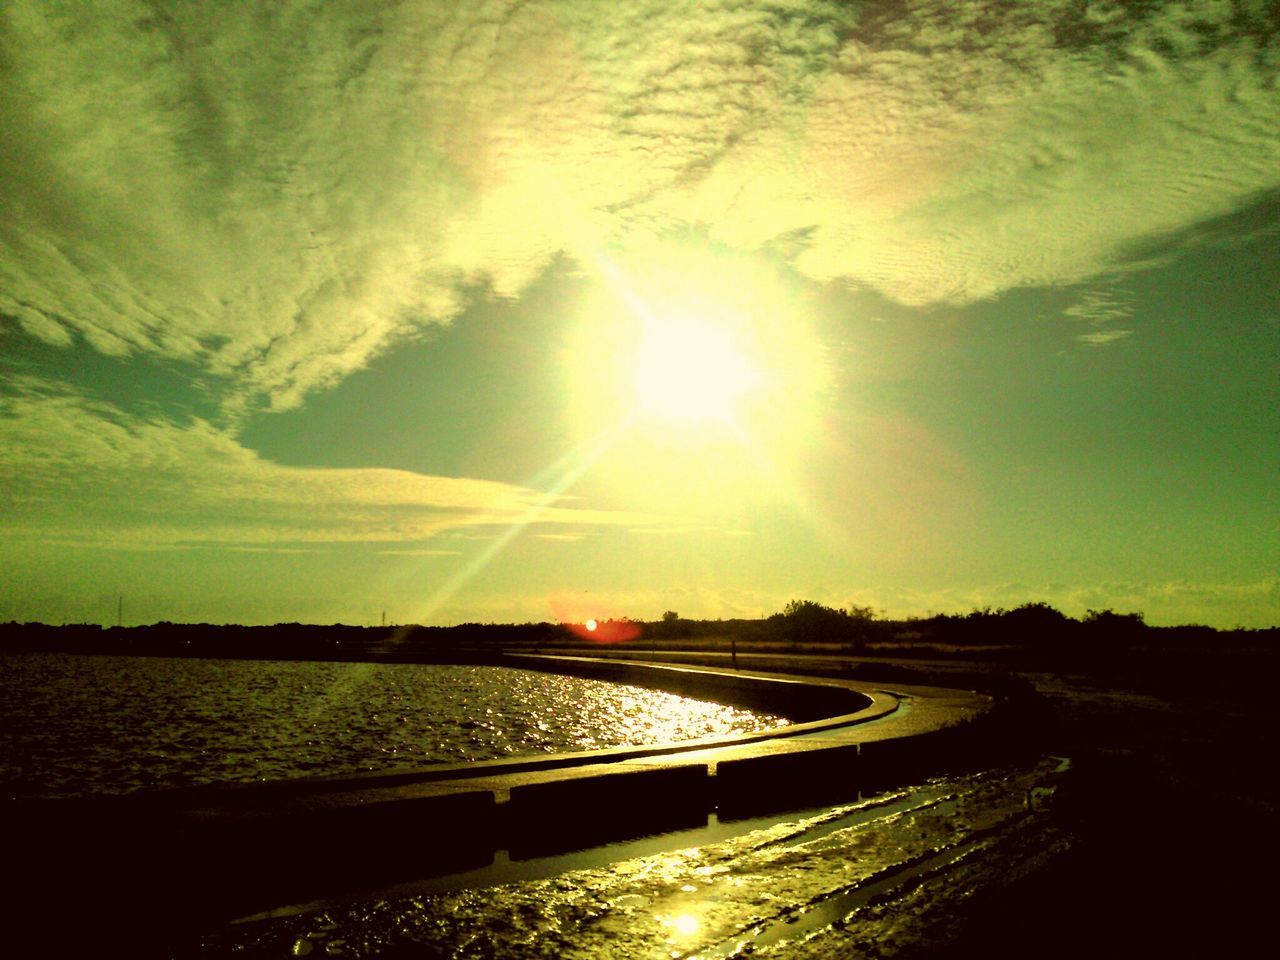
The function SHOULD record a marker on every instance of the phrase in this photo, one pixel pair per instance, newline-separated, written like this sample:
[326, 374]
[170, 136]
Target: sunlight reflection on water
[72, 725]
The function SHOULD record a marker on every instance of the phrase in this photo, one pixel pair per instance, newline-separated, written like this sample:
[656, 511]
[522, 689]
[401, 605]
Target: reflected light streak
[566, 470]
[570, 468]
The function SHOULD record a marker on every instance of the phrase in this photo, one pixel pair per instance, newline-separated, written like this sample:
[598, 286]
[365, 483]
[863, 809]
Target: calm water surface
[73, 725]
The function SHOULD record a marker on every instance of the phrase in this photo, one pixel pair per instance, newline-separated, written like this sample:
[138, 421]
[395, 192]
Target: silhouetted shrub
[808, 622]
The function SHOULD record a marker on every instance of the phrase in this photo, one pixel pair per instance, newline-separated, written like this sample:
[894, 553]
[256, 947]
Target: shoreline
[1146, 766]
[200, 853]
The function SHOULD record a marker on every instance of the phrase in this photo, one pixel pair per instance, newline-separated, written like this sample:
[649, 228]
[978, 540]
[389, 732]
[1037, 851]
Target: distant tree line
[802, 625]
[410, 643]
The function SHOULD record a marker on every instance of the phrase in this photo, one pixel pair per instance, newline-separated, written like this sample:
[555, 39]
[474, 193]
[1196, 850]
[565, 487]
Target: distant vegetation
[1029, 633]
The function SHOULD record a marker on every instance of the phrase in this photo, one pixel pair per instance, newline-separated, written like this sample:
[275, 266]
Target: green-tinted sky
[524, 311]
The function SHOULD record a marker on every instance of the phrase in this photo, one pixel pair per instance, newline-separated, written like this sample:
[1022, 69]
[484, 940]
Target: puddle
[504, 870]
[878, 808]
[818, 916]
[813, 824]
[713, 892]
[835, 908]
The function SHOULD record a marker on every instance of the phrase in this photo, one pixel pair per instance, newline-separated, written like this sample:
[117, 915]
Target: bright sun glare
[690, 371]
[685, 925]
[694, 375]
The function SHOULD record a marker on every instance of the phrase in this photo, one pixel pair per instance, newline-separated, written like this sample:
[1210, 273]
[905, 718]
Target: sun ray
[565, 471]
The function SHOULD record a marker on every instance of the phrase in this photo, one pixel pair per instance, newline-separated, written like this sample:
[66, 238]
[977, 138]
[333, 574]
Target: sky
[522, 311]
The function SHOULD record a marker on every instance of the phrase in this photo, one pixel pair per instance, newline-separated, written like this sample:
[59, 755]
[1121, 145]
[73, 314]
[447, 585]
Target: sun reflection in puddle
[681, 929]
[685, 925]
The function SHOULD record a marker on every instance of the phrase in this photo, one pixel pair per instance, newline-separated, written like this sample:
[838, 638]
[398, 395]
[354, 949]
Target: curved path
[190, 856]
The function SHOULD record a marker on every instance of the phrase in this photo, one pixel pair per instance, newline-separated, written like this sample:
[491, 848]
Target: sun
[695, 379]
[690, 371]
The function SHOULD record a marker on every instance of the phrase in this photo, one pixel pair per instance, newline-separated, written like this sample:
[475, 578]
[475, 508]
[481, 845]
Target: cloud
[252, 191]
[1100, 308]
[423, 552]
[74, 470]
[279, 192]
[1101, 338]
[954, 151]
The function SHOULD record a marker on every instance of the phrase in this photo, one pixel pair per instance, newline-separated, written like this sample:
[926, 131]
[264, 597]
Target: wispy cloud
[279, 192]
[1100, 338]
[1102, 309]
[73, 469]
[950, 151]
[421, 552]
[271, 549]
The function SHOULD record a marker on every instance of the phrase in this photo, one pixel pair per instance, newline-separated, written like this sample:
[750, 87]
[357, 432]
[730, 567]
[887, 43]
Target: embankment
[170, 860]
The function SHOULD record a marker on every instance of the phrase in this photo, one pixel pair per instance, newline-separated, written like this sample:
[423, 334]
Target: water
[76, 725]
[843, 881]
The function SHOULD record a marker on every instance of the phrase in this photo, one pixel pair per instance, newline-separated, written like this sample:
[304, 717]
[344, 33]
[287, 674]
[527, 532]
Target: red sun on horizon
[604, 631]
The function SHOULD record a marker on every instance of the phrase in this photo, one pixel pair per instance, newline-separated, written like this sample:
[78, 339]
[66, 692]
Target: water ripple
[75, 725]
